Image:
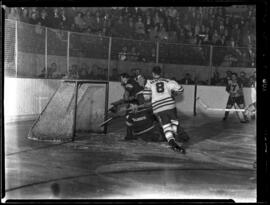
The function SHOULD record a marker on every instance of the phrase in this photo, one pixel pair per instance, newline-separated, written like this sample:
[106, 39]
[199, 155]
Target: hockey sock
[174, 124]
[167, 129]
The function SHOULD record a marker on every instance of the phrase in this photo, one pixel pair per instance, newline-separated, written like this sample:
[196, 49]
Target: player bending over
[235, 89]
[163, 104]
[142, 122]
[131, 88]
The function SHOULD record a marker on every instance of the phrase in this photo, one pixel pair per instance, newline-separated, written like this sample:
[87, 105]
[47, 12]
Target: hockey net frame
[77, 83]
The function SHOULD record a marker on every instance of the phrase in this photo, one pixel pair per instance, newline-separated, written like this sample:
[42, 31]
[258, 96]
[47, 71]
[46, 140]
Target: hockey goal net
[76, 106]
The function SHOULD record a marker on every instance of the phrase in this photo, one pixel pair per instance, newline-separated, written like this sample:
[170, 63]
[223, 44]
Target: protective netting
[57, 45]
[132, 56]
[9, 54]
[56, 121]
[228, 56]
[31, 49]
[183, 54]
[42, 52]
[88, 56]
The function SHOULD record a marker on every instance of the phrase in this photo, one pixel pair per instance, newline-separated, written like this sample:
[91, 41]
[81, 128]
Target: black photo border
[262, 69]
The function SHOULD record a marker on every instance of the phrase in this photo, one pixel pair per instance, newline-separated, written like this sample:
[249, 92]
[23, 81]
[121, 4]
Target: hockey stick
[128, 109]
[106, 121]
[218, 109]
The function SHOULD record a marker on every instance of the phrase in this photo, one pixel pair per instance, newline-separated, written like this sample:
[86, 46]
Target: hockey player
[160, 90]
[131, 88]
[235, 89]
[142, 122]
[253, 96]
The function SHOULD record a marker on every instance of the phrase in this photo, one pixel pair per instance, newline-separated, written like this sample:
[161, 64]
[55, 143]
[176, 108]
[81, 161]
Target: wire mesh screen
[132, 57]
[88, 56]
[36, 51]
[10, 44]
[57, 45]
[231, 56]
[184, 54]
[31, 50]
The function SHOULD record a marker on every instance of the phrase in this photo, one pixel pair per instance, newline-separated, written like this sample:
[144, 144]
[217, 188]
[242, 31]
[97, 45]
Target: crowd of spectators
[190, 25]
[95, 72]
[197, 26]
[242, 76]
[83, 71]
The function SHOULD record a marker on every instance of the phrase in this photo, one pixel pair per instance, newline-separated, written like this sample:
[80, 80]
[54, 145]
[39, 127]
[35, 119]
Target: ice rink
[219, 164]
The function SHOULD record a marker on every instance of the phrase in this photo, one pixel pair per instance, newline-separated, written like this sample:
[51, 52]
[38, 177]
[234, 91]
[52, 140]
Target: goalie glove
[175, 147]
[133, 107]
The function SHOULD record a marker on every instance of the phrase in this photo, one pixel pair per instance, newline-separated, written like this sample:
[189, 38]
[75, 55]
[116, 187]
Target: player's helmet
[156, 70]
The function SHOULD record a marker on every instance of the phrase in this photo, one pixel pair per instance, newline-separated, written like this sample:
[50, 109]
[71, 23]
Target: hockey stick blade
[106, 121]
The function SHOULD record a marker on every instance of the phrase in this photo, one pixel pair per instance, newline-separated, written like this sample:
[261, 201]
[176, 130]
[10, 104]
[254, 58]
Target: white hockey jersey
[253, 92]
[161, 93]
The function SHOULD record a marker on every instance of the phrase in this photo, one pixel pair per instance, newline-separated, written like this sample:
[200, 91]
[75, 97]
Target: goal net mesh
[56, 122]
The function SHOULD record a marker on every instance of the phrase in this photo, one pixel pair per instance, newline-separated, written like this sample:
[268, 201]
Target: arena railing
[41, 52]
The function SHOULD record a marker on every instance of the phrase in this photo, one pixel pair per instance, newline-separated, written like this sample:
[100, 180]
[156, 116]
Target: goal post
[77, 106]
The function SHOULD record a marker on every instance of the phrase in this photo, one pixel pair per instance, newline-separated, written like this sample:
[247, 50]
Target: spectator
[70, 14]
[42, 74]
[215, 37]
[94, 71]
[188, 23]
[163, 35]
[252, 79]
[90, 72]
[139, 28]
[131, 28]
[244, 79]
[133, 54]
[148, 23]
[236, 33]
[63, 19]
[55, 19]
[172, 12]
[105, 32]
[221, 28]
[83, 72]
[114, 75]
[123, 54]
[80, 24]
[44, 21]
[100, 74]
[118, 28]
[98, 22]
[89, 20]
[34, 18]
[72, 73]
[107, 24]
[153, 55]
[181, 36]
[156, 19]
[14, 14]
[197, 29]
[215, 80]
[187, 80]
[170, 25]
[245, 60]
[154, 33]
[25, 15]
[227, 77]
[191, 39]
[53, 71]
